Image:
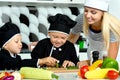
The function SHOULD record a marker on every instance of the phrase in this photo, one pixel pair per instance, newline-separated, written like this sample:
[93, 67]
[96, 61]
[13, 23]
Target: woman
[100, 28]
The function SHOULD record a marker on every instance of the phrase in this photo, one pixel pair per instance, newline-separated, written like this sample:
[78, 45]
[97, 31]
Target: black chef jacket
[14, 63]
[65, 52]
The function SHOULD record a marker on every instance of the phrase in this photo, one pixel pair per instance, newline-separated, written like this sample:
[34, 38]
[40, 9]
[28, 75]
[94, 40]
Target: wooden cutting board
[62, 70]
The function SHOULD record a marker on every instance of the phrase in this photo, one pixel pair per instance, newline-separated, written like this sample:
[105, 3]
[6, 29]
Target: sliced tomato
[83, 70]
[112, 74]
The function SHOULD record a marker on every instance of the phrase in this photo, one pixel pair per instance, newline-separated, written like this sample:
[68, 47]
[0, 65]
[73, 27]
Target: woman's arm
[73, 37]
[113, 50]
[32, 45]
[82, 63]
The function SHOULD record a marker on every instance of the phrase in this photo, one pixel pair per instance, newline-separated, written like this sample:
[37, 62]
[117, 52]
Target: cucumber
[37, 73]
[72, 67]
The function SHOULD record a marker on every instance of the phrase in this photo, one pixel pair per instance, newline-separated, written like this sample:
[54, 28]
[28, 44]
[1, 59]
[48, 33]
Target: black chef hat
[7, 31]
[60, 23]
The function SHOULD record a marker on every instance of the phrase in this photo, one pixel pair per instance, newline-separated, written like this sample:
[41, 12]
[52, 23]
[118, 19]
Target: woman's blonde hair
[109, 23]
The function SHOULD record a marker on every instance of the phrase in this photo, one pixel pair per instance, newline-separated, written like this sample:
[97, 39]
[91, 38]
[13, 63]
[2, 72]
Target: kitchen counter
[69, 75]
[65, 76]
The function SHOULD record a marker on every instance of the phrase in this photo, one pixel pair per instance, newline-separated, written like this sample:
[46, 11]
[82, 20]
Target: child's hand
[48, 61]
[67, 63]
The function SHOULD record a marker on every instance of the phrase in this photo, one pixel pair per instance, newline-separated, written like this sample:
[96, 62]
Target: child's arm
[48, 61]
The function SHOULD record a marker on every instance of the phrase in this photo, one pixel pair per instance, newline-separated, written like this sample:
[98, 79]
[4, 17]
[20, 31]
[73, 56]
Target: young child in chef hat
[57, 48]
[11, 45]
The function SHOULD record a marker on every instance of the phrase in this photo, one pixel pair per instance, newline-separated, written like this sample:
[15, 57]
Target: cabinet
[72, 3]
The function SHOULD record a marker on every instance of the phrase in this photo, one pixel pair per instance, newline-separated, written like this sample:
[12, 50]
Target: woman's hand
[32, 45]
[48, 61]
[82, 63]
[67, 63]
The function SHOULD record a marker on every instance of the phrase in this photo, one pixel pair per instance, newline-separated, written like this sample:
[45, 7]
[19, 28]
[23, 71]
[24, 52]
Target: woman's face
[14, 45]
[93, 16]
[58, 39]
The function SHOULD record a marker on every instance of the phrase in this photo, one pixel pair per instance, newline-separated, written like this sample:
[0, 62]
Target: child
[10, 44]
[57, 47]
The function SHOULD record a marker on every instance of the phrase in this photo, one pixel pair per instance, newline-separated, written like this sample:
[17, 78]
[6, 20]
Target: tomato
[112, 74]
[7, 73]
[83, 70]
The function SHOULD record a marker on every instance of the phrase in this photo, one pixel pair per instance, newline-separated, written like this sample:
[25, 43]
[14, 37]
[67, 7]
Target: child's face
[58, 39]
[14, 45]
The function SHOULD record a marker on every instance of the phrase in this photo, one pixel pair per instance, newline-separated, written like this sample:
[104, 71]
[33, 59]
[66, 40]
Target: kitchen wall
[115, 8]
[32, 20]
